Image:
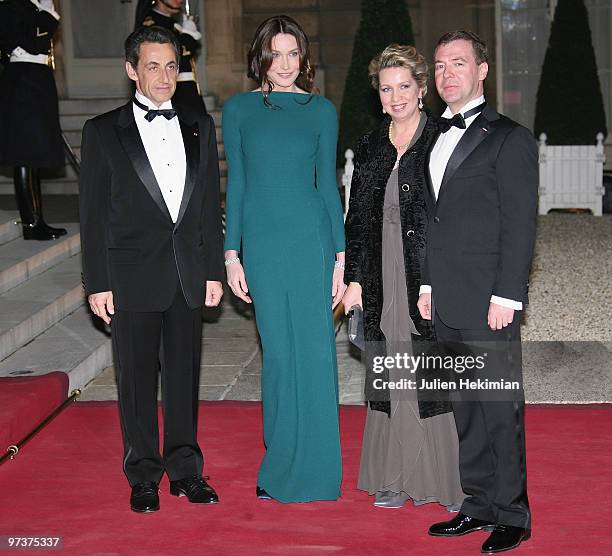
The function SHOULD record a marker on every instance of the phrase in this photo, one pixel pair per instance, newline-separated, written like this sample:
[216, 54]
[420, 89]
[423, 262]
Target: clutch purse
[355, 327]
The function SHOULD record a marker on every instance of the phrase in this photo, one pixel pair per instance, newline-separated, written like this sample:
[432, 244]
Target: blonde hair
[400, 56]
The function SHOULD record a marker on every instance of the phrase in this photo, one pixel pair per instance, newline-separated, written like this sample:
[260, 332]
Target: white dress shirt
[440, 155]
[163, 143]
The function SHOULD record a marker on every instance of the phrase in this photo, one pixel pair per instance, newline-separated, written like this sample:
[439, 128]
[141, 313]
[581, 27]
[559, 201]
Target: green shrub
[382, 22]
[569, 107]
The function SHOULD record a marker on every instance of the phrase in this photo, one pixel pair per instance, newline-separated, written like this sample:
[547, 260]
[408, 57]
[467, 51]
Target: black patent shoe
[196, 489]
[461, 524]
[53, 230]
[40, 232]
[505, 537]
[262, 494]
[145, 497]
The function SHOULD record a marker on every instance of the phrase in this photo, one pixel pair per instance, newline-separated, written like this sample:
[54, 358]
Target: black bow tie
[458, 120]
[151, 114]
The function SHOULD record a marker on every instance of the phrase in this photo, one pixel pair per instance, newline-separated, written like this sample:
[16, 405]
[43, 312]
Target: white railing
[571, 176]
[347, 177]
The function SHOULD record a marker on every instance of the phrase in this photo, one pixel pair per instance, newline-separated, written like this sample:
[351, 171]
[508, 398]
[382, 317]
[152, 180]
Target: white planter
[571, 176]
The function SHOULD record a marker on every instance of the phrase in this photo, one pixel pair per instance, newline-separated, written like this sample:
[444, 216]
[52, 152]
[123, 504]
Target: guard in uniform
[163, 13]
[30, 135]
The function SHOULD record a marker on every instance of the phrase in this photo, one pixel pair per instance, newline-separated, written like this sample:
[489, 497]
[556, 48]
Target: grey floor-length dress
[403, 453]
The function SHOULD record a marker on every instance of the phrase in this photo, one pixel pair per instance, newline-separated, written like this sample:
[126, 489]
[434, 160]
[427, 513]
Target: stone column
[225, 59]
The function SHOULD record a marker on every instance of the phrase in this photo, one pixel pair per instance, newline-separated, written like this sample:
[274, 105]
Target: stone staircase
[44, 323]
[73, 115]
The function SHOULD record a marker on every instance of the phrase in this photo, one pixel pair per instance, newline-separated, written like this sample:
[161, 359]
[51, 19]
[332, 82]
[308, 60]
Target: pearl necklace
[398, 147]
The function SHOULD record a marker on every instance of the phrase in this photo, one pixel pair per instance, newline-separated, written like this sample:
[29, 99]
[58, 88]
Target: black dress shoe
[53, 230]
[145, 497]
[197, 490]
[39, 232]
[262, 494]
[505, 537]
[461, 524]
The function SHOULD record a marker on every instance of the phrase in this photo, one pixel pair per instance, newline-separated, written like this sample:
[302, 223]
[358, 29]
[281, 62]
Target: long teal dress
[283, 205]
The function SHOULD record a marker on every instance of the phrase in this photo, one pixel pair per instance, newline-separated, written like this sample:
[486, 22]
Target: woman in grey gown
[410, 447]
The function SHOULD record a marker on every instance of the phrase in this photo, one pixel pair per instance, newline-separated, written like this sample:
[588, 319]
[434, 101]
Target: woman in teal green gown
[283, 215]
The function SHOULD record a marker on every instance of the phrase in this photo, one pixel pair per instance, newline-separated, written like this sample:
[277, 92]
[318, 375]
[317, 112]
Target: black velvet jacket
[374, 161]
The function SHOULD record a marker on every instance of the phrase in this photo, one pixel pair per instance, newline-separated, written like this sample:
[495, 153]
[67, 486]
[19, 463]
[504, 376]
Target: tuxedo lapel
[191, 141]
[473, 136]
[430, 198]
[127, 130]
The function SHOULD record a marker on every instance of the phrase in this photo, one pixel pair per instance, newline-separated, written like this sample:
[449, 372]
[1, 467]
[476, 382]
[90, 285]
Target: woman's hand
[236, 279]
[338, 286]
[352, 297]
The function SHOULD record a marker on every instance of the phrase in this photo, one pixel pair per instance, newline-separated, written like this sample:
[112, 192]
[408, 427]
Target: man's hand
[214, 293]
[102, 305]
[352, 297]
[499, 317]
[424, 305]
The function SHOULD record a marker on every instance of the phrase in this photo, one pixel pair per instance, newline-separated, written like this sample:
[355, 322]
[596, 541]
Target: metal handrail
[72, 157]
[13, 449]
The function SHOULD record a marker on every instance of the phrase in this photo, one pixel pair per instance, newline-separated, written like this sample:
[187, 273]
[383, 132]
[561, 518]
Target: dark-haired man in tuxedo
[483, 172]
[152, 255]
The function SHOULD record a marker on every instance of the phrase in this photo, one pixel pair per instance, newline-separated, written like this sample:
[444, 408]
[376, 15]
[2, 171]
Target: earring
[420, 103]
[384, 111]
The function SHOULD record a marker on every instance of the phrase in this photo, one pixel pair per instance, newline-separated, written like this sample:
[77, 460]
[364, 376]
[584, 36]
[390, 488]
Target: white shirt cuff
[424, 289]
[509, 303]
[45, 9]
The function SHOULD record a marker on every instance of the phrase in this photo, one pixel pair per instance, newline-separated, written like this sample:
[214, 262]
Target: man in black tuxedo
[152, 254]
[483, 172]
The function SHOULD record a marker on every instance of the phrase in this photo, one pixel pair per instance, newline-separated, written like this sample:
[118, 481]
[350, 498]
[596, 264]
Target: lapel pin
[484, 129]
[195, 133]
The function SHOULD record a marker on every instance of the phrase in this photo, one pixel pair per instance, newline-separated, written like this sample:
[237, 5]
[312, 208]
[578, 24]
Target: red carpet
[68, 482]
[26, 401]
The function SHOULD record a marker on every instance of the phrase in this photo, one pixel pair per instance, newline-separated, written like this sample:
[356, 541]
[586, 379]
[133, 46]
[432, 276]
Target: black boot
[28, 202]
[38, 197]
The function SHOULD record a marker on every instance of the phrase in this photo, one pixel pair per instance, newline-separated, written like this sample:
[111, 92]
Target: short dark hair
[154, 34]
[260, 52]
[481, 53]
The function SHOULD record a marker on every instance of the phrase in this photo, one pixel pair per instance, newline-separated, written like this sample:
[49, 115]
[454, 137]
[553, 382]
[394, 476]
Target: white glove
[46, 6]
[188, 26]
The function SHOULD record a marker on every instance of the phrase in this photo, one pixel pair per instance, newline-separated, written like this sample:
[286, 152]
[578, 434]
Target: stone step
[21, 260]
[9, 227]
[89, 105]
[75, 122]
[75, 345]
[67, 184]
[96, 106]
[74, 135]
[37, 304]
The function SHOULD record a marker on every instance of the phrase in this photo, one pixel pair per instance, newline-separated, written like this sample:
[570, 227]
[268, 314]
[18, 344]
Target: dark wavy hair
[260, 53]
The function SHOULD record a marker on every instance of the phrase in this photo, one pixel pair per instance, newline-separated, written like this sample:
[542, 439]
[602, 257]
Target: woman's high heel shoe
[262, 494]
